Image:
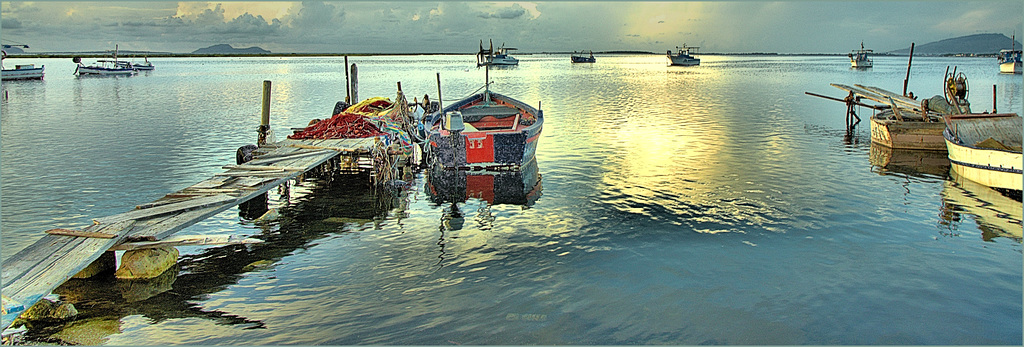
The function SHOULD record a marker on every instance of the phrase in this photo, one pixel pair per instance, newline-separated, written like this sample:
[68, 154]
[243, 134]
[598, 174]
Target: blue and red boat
[484, 131]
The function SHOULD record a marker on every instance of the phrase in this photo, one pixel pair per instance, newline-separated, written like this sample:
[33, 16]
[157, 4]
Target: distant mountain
[970, 44]
[227, 49]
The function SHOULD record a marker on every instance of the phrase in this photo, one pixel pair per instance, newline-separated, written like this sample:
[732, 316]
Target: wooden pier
[36, 270]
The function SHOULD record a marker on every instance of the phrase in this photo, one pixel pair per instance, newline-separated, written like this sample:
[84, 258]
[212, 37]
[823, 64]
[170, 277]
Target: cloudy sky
[457, 27]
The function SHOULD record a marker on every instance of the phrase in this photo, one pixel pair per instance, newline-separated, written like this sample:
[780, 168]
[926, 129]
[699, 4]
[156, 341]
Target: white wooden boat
[21, 71]
[1010, 61]
[986, 148]
[143, 66]
[684, 56]
[104, 66]
[859, 57]
[492, 57]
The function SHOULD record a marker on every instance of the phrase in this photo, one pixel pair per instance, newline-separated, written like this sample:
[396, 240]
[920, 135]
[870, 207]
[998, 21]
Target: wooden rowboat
[986, 148]
[486, 130]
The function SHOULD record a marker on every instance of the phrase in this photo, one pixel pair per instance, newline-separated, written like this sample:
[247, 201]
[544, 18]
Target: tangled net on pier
[354, 122]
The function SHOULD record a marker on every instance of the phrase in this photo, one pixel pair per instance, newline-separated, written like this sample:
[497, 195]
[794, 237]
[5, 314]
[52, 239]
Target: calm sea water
[715, 204]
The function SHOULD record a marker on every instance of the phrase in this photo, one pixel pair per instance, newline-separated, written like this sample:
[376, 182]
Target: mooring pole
[355, 85]
[348, 87]
[439, 106]
[265, 115]
[911, 60]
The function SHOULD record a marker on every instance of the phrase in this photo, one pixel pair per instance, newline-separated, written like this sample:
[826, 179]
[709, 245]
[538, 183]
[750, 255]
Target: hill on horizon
[227, 49]
[970, 44]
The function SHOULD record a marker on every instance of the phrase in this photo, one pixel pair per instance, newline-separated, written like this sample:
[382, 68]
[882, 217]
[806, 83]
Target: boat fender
[244, 153]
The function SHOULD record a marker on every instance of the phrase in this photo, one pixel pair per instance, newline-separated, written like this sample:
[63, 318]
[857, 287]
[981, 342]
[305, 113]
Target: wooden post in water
[348, 89]
[265, 115]
[908, 69]
[355, 85]
[439, 106]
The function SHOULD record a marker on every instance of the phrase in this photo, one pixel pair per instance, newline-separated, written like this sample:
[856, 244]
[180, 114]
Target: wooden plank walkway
[37, 270]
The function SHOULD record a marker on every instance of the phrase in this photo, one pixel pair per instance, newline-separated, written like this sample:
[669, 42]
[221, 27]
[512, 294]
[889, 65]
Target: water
[716, 204]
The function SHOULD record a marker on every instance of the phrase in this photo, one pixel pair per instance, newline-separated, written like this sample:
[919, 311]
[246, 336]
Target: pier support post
[355, 85]
[348, 85]
[265, 115]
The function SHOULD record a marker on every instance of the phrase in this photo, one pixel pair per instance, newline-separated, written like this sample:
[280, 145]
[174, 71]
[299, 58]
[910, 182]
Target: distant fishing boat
[986, 148]
[490, 56]
[859, 57]
[684, 56]
[581, 58]
[485, 130]
[1010, 59]
[21, 71]
[143, 66]
[104, 66]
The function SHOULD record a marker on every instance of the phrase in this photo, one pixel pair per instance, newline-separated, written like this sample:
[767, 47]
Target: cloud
[512, 12]
[10, 23]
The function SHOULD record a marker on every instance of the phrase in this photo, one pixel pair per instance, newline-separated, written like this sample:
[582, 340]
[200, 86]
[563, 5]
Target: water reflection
[453, 187]
[330, 206]
[996, 214]
[917, 163]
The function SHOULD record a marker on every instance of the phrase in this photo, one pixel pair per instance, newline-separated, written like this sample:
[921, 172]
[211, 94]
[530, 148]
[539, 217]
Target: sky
[457, 27]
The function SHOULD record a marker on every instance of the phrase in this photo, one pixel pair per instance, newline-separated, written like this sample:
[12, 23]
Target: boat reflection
[327, 206]
[997, 215]
[917, 163]
[515, 187]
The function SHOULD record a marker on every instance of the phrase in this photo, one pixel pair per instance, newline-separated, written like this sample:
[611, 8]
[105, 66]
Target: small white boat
[495, 57]
[143, 66]
[859, 57]
[21, 71]
[986, 148]
[1010, 61]
[684, 56]
[104, 66]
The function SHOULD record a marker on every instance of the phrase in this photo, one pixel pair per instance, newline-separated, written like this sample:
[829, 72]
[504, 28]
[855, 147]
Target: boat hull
[861, 64]
[93, 70]
[683, 61]
[1010, 67]
[583, 59]
[908, 134]
[494, 149]
[23, 73]
[993, 167]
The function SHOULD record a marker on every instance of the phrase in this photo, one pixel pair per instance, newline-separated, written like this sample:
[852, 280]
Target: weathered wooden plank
[80, 233]
[166, 209]
[187, 240]
[263, 167]
[35, 271]
[268, 159]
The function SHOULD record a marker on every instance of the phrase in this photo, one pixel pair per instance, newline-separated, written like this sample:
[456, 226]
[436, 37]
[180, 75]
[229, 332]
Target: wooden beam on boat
[879, 97]
[844, 101]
